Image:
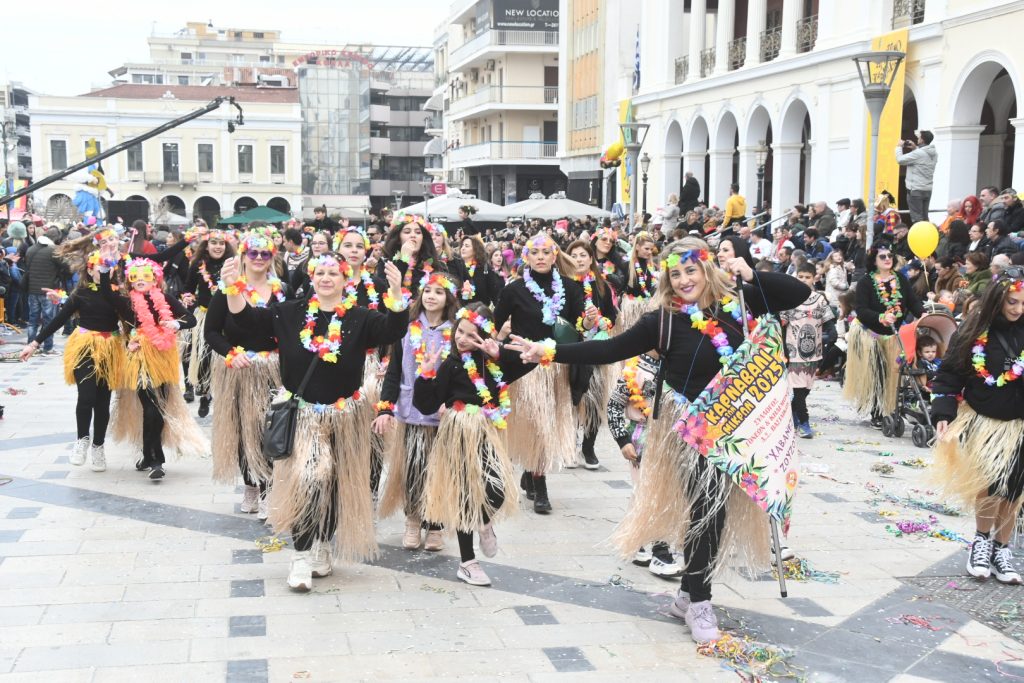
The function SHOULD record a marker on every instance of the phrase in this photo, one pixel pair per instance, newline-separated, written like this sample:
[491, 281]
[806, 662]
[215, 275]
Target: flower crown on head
[438, 278]
[1015, 286]
[328, 259]
[93, 260]
[355, 229]
[481, 322]
[258, 238]
[406, 218]
[106, 233]
[137, 267]
[606, 232]
[693, 255]
[539, 241]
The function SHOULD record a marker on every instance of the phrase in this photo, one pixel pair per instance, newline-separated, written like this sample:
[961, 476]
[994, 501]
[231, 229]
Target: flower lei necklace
[371, 289]
[206, 277]
[603, 326]
[978, 361]
[469, 287]
[636, 392]
[158, 335]
[711, 328]
[608, 267]
[496, 413]
[325, 348]
[890, 295]
[250, 294]
[645, 278]
[550, 306]
[417, 342]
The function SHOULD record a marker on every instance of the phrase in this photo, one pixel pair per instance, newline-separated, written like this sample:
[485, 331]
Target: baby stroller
[911, 405]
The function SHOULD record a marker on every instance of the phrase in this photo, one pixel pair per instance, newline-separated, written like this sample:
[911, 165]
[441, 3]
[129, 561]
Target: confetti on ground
[915, 463]
[15, 392]
[270, 544]
[800, 570]
[929, 528]
[916, 503]
[883, 468]
[750, 659]
[914, 620]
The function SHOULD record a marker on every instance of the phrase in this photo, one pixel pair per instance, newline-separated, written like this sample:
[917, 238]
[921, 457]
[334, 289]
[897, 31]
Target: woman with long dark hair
[319, 244]
[479, 281]
[885, 301]
[980, 447]
[409, 244]
[609, 257]
[958, 241]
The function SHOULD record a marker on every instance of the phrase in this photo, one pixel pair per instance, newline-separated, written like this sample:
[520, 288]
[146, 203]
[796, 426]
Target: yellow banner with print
[625, 173]
[891, 125]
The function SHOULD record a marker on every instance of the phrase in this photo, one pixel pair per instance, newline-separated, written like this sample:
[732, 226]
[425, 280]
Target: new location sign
[526, 15]
[438, 189]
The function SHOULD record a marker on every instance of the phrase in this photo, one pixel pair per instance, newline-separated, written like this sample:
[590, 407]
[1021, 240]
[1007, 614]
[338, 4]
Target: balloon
[615, 150]
[923, 238]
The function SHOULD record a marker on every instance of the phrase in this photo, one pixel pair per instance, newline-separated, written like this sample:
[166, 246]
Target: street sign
[438, 189]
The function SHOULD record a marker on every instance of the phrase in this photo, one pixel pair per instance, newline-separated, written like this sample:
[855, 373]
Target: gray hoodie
[920, 165]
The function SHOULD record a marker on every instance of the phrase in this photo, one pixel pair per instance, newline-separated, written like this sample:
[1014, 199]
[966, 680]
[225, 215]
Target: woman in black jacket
[479, 281]
[980, 447]
[885, 301]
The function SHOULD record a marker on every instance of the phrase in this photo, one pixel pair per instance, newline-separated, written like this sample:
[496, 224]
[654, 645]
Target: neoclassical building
[718, 79]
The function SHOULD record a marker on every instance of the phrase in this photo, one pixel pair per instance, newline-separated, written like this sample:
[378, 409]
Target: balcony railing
[771, 43]
[907, 12]
[500, 151]
[504, 38]
[707, 62]
[507, 94]
[682, 68]
[806, 33]
[737, 53]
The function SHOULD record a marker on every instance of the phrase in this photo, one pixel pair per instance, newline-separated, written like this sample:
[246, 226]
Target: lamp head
[645, 163]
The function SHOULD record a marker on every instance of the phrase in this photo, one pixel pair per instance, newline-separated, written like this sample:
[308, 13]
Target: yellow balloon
[922, 239]
[615, 150]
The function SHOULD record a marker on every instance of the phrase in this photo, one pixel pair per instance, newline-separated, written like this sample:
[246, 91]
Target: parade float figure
[92, 183]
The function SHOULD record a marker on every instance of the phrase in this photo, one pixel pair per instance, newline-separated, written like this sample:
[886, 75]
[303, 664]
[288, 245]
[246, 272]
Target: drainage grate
[990, 602]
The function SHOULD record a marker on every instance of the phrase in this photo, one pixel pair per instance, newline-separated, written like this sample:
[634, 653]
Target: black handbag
[281, 420]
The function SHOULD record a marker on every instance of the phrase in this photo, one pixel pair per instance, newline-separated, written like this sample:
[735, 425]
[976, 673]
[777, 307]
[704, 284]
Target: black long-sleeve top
[95, 312]
[643, 278]
[691, 361]
[999, 403]
[869, 306]
[417, 272]
[614, 267]
[164, 256]
[518, 303]
[452, 383]
[197, 285]
[605, 304]
[488, 283]
[361, 329]
[223, 333]
[124, 307]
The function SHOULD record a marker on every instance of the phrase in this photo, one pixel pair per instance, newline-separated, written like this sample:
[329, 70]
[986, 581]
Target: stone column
[698, 21]
[785, 176]
[721, 176]
[791, 13]
[694, 163]
[724, 34]
[1018, 155]
[756, 10]
[748, 175]
[956, 173]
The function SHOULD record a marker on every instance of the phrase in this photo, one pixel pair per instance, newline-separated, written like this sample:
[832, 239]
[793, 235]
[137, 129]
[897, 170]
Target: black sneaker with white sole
[157, 472]
[590, 461]
[663, 563]
[1002, 567]
[979, 561]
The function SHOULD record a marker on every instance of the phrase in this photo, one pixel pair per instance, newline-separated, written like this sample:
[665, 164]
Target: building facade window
[245, 159]
[182, 80]
[277, 159]
[171, 161]
[205, 158]
[152, 79]
[135, 158]
[58, 154]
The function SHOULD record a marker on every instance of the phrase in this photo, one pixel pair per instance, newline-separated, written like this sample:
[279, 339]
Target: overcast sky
[61, 47]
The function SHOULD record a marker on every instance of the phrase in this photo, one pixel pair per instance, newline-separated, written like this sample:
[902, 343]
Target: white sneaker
[665, 567]
[472, 573]
[263, 509]
[81, 449]
[488, 541]
[979, 561]
[680, 605]
[98, 458]
[412, 539]
[250, 500]
[787, 552]
[643, 557]
[703, 623]
[300, 574]
[321, 560]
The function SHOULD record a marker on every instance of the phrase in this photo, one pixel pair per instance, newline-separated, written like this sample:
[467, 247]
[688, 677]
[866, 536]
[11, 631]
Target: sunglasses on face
[142, 277]
[255, 255]
[885, 257]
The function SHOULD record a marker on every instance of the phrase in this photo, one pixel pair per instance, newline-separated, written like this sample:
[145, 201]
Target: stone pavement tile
[168, 629]
[617, 677]
[209, 672]
[568, 659]
[569, 635]
[907, 678]
[66, 676]
[260, 647]
[884, 653]
[119, 611]
[247, 626]
[288, 625]
[30, 549]
[247, 556]
[54, 474]
[237, 607]
[23, 512]
[102, 655]
[59, 595]
[72, 562]
[247, 588]
[182, 558]
[974, 639]
[677, 657]
[498, 664]
[11, 536]
[130, 576]
[442, 638]
[955, 667]
[42, 577]
[191, 590]
[20, 616]
[535, 615]
[824, 668]
[230, 572]
[396, 666]
[882, 621]
[54, 634]
[85, 533]
[246, 671]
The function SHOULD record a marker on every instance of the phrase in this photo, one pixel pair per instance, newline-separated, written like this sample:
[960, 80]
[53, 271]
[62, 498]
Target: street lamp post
[425, 186]
[877, 71]
[633, 136]
[398, 199]
[7, 133]
[645, 165]
[761, 158]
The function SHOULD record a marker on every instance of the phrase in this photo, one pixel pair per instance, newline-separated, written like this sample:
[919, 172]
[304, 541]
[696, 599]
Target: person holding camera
[920, 158]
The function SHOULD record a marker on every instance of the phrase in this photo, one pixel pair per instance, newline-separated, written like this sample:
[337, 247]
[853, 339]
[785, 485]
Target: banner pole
[776, 544]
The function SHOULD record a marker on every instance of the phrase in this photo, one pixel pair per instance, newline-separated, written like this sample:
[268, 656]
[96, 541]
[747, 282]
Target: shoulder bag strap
[308, 375]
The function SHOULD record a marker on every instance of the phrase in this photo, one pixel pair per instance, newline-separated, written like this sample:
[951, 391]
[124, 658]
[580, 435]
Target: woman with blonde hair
[641, 280]
[682, 498]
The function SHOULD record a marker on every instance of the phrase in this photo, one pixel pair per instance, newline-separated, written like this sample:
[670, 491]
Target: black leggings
[93, 406]
[203, 387]
[800, 405]
[589, 439]
[309, 530]
[1014, 479]
[700, 550]
[247, 475]
[152, 424]
[495, 499]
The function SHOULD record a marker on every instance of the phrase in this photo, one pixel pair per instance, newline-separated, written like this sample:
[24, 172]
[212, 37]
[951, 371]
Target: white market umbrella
[446, 208]
[547, 208]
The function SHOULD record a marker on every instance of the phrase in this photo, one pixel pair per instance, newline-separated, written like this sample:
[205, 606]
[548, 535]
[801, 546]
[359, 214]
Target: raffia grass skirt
[329, 469]
[541, 427]
[150, 367]
[977, 453]
[872, 376]
[632, 308]
[468, 458]
[243, 396]
[372, 381]
[406, 463]
[592, 413]
[671, 480]
[180, 430]
[106, 351]
[197, 348]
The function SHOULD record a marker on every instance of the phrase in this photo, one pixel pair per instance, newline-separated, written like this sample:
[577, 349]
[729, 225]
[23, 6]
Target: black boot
[189, 394]
[541, 504]
[204, 406]
[526, 484]
[589, 456]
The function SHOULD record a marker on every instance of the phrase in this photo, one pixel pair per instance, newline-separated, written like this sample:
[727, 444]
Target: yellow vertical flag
[625, 176]
[890, 125]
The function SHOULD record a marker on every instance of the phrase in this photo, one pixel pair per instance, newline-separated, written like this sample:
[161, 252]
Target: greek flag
[636, 64]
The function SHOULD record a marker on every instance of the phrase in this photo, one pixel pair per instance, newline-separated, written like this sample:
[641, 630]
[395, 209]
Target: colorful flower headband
[694, 255]
[539, 241]
[259, 238]
[440, 279]
[93, 260]
[1016, 286]
[477, 319]
[328, 260]
[406, 218]
[139, 268]
[606, 232]
[354, 230]
[105, 234]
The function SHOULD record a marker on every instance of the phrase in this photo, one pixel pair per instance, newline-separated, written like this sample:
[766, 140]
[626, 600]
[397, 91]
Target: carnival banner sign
[743, 422]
